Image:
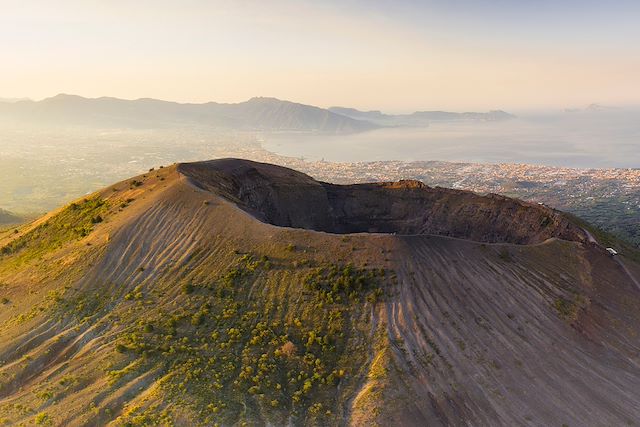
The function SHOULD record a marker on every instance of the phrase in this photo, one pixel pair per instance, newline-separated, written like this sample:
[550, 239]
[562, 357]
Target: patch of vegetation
[74, 222]
[617, 216]
[627, 245]
[240, 348]
[77, 306]
[505, 255]
[366, 404]
[43, 419]
[568, 309]
[80, 306]
[335, 284]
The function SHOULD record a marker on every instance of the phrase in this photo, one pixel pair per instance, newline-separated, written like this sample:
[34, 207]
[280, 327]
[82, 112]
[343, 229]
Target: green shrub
[43, 419]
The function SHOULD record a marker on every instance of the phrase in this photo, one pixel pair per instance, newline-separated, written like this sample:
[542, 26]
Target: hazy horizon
[390, 56]
[527, 111]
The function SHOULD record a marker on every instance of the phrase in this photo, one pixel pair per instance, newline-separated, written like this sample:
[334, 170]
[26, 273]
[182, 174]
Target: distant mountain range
[420, 118]
[265, 114]
[13, 99]
[7, 218]
[591, 108]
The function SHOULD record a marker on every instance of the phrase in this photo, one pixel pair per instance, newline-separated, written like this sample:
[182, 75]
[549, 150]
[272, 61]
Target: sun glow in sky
[391, 55]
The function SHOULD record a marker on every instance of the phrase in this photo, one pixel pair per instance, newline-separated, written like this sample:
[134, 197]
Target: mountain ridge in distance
[259, 113]
[13, 100]
[421, 118]
[9, 218]
[235, 292]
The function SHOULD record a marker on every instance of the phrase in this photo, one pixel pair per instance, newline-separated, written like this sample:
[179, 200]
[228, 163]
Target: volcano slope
[231, 292]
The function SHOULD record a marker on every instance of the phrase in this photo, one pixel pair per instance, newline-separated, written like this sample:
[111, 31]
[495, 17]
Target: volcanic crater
[284, 197]
[231, 292]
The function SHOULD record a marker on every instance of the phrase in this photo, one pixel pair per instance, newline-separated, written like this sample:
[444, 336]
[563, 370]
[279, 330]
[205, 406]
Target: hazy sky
[392, 55]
